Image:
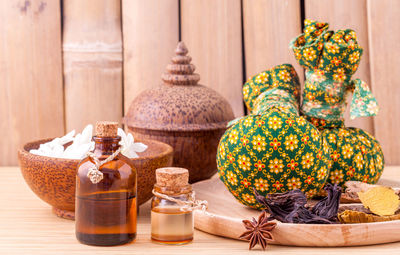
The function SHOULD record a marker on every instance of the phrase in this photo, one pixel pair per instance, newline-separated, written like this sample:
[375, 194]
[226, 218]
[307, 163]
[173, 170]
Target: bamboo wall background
[64, 64]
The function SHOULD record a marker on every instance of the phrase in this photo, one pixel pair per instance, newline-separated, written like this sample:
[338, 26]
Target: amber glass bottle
[169, 224]
[105, 210]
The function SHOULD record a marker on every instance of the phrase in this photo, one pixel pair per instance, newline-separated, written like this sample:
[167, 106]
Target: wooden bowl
[53, 179]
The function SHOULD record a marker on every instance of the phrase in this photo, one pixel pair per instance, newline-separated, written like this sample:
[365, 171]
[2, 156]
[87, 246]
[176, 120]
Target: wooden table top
[27, 226]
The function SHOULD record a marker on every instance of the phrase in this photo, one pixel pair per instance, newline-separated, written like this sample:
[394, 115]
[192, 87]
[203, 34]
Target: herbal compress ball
[273, 149]
[355, 154]
[330, 59]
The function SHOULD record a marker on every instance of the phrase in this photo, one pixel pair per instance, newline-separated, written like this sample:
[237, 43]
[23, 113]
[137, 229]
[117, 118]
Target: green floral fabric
[273, 149]
[279, 147]
[330, 59]
[355, 155]
[282, 77]
[272, 152]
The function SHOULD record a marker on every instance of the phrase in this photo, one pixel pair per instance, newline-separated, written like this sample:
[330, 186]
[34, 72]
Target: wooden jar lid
[180, 103]
[106, 129]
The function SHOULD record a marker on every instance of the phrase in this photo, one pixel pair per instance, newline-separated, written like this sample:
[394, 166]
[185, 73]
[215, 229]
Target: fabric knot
[282, 77]
[325, 98]
[277, 98]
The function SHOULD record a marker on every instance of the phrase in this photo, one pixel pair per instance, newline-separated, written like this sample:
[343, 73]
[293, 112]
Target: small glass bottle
[105, 209]
[169, 224]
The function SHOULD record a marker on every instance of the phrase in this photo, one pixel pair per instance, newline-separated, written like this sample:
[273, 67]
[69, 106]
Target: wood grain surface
[114, 49]
[31, 92]
[263, 22]
[212, 32]
[225, 214]
[333, 13]
[27, 226]
[384, 37]
[151, 33]
[92, 46]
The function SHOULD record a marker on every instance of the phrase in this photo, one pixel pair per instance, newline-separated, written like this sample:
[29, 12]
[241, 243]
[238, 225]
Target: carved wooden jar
[188, 116]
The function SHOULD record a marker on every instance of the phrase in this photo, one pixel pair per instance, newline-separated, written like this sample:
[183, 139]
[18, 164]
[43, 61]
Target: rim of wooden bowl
[167, 149]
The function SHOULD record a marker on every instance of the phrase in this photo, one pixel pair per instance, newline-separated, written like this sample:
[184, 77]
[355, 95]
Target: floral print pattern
[269, 163]
[336, 56]
[355, 154]
[277, 147]
[269, 79]
[271, 140]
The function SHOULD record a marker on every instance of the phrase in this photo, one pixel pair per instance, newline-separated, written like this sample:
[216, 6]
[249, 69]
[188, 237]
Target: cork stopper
[174, 177]
[106, 129]
[181, 71]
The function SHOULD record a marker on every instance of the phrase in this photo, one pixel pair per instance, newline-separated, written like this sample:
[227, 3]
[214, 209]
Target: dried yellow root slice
[350, 216]
[382, 201]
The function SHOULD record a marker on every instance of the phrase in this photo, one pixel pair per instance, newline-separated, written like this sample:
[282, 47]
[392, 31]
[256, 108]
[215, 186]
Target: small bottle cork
[106, 129]
[174, 177]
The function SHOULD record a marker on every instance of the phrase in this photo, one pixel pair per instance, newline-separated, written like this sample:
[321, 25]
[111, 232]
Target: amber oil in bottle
[105, 212]
[169, 224]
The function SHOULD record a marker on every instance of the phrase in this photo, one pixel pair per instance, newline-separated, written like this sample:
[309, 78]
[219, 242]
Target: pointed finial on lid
[181, 71]
[181, 49]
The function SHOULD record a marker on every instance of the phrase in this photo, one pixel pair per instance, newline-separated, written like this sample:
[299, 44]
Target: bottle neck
[173, 190]
[105, 145]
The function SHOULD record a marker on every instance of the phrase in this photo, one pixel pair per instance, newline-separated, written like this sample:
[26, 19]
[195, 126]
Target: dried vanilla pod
[329, 205]
[382, 201]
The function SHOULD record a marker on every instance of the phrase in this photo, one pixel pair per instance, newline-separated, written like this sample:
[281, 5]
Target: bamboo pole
[268, 27]
[31, 94]
[151, 32]
[92, 61]
[384, 37]
[213, 34]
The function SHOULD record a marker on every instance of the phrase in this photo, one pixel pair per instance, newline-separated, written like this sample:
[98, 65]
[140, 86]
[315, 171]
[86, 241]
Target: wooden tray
[224, 218]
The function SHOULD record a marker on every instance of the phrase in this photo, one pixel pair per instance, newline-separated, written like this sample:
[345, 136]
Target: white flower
[82, 143]
[54, 148]
[129, 147]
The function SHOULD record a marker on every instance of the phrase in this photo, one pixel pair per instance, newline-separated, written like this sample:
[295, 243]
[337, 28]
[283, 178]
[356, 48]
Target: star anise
[258, 232]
